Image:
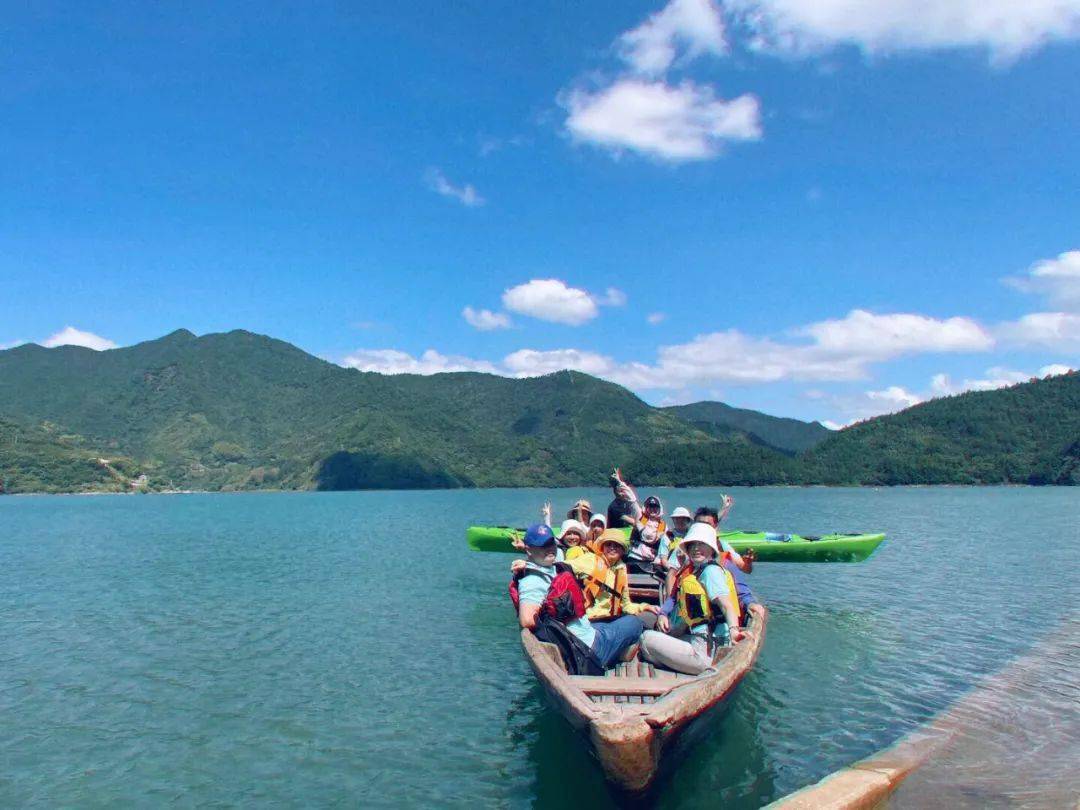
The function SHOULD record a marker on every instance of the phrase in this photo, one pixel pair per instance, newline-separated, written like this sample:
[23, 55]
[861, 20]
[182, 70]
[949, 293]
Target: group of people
[573, 588]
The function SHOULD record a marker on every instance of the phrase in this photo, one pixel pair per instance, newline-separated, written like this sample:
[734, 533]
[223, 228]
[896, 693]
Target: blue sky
[818, 209]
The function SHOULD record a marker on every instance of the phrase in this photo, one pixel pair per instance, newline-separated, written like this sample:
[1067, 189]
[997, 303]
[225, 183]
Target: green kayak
[769, 546]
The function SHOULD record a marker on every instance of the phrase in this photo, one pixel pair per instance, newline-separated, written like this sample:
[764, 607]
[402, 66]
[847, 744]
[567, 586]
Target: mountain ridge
[239, 410]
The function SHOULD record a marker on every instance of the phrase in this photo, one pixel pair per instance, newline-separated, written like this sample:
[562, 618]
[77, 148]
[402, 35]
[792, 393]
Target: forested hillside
[1025, 434]
[716, 418]
[243, 411]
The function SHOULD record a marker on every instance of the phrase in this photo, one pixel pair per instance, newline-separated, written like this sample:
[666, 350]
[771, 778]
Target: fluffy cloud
[485, 320]
[1006, 28]
[551, 300]
[1054, 370]
[894, 395]
[70, 336]
[467, 195]
[656, 318]
[870, 336]
[533, 363]
[1057, 279]
[1059, 331]
[392, 361]
[841, 349]
[672, 123]
[651, 48]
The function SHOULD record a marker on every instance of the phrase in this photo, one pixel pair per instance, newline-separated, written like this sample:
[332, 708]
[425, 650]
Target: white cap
[598, 518]
[681, 511]
[701, 533]
[572, 525]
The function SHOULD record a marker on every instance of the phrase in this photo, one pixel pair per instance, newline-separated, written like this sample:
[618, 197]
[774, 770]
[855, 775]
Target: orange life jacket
[595, 582]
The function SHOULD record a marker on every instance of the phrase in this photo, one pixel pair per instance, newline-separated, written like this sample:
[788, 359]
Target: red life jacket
[564, 601]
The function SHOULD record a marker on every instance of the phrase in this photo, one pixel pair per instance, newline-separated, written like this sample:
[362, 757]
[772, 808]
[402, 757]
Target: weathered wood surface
[629, 736]
[601, 685]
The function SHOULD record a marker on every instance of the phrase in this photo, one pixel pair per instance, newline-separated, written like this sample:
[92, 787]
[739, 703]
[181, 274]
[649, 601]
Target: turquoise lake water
[346, 649]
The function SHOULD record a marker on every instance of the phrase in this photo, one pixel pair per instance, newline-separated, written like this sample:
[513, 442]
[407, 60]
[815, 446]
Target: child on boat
[680, 523]
[649, 541]
[606, 641]
[706, 609]
[604, 579]
[572, 539]
[597, 524]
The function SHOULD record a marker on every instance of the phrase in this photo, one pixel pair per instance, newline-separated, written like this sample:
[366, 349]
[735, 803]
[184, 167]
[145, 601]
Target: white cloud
[1058, 279]
[1005, 28]
[533, 363]
[11, 345]
[549, 299]
[467, 195]
[651, 48]
[392, 361]
[612, 297]
[996, 377]
[870, 336]
[842, 349]
[1059, 331]
[485, 320]
[894, 395]
[673, 123]
[655, 318]
[70, 336]
[1054, 370]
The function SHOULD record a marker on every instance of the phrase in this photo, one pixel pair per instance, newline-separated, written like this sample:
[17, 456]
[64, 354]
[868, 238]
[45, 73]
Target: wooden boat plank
[599, 685]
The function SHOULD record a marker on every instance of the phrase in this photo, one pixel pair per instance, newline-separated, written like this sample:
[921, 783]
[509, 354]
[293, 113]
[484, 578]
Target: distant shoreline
[831, 487]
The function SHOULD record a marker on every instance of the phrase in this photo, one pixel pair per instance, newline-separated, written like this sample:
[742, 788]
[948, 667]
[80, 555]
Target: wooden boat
[633, 712]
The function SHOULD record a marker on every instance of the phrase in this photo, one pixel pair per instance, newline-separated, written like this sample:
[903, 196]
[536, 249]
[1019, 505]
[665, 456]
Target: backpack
[578, 659]
[564, 601]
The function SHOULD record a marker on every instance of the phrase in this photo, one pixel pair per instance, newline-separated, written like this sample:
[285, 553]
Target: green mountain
[1025, 434]
[789, 435]
[242, 411]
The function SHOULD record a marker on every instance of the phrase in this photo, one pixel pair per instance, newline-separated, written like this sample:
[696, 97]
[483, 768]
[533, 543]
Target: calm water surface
[344, 649]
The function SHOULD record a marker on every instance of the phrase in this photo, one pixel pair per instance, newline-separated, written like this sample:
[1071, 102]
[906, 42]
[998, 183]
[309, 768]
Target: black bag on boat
[578, 658]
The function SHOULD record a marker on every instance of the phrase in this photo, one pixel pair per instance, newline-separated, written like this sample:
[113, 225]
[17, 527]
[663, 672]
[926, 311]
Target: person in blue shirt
[703, 613]
[608, 641]
[736, 564]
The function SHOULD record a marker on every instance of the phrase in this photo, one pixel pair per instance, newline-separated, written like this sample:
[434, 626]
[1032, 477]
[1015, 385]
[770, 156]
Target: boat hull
[632, 719]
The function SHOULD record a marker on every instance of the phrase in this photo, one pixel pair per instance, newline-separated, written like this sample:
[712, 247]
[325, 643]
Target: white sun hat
[701, 533]
[571, 525]
[681, 512]
[598, 518]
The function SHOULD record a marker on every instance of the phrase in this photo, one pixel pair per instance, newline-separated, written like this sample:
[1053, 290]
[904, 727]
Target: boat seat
[636, 681]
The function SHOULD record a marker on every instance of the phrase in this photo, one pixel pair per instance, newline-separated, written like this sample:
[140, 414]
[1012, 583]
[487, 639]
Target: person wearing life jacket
[597, 524]
[648, 540]
[680, 522]
[572, 539]
[604, 580]
[540, 575]
[736, 564]
[703, 613]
